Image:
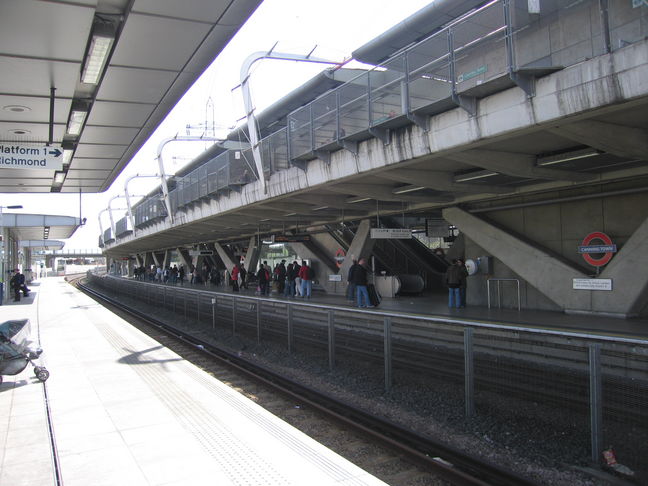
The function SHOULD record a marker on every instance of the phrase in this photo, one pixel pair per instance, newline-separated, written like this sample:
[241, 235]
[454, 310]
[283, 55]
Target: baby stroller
[16, 352]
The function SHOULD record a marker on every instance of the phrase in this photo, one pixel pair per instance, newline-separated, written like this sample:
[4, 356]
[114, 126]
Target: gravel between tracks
[533, 442]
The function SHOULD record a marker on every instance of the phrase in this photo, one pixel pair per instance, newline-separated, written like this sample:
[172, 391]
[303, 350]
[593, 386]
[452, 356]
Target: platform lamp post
[5, 240]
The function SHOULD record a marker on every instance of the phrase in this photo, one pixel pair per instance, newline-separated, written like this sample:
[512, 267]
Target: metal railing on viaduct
[499, 46]
[596, 386]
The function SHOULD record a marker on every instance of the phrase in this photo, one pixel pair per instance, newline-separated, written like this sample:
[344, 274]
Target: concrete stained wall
[559, 228]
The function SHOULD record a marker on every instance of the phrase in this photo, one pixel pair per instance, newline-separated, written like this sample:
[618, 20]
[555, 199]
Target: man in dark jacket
[351, 289]
[453, 277]
[360, 281]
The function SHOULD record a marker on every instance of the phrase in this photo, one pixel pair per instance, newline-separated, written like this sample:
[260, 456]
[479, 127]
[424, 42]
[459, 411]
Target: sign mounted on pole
[391, 234]
[607, 249]
[16, 156]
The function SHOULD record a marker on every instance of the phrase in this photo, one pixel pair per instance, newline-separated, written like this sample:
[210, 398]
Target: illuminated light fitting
[358, 200]
[77, 119]
[567, 156]
[67, 156]
[96, 60]
[406, 189]
[471, 176]
[59, 177]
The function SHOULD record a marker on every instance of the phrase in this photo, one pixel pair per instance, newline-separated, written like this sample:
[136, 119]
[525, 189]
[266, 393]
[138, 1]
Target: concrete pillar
[629, 278]
[185, 258]
[252, 255]
[360, 247]
[541, 269]
[224, 256]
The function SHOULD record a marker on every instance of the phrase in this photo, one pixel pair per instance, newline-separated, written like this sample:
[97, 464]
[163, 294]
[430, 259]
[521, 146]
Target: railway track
[396, 455]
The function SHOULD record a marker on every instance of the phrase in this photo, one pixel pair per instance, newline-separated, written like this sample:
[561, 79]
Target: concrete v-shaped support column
[229, 263]
[551, 276]
[629, 277]
[360, 247]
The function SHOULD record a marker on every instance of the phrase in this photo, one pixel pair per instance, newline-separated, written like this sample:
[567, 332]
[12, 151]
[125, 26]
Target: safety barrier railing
[499, 281]
[492, 49]
[593, 389]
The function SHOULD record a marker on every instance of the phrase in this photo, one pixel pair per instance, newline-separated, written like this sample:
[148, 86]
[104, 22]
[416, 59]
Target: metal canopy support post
[387, 353]
[406, 107]
[258, 317]
[595, 400]
[233, 316]
[468, 103]
[524, 81]
[469, 372]
[331, 340]
[290, 328]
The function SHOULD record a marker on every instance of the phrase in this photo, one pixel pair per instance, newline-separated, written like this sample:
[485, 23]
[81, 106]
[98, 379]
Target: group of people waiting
[292, 280]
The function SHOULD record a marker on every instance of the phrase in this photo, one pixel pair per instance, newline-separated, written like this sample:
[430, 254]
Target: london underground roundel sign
[590, 246]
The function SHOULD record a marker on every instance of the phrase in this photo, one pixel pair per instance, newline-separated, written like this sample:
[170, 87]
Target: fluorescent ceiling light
[77, 119]
[404, 189]
[471, 176]
[67, 156]
[358, 199]
[59, 177]
[96, 60]
[567, 156]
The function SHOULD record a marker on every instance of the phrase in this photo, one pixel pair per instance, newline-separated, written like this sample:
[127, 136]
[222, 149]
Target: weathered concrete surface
[629, 278]
[550, 275]
[604, 83]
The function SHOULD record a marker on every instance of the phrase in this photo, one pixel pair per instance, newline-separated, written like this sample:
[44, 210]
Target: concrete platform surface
[127, 411]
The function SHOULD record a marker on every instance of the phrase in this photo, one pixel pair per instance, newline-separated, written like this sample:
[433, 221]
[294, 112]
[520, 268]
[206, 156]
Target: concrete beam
[384, 193]
[619, 140]
[361, 247]
[252, 255]
[549, 275]
[440, 181]
[629, 281]
[224, 256]
[516, 165]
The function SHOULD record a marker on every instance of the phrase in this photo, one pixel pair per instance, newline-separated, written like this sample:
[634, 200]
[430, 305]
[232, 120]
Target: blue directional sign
[17, 156]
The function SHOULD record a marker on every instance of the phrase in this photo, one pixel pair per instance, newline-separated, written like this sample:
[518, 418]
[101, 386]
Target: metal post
[164, 297]
[331, 340]
[290, 330]
[198, 306]
[488, 292]
[233, 316]
[387, 352]
[184, 300]
[213, 301]
[596, 405]
[469, 372]
[258, 309]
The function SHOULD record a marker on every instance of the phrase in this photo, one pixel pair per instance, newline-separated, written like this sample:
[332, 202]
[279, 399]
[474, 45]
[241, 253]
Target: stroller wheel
[37, 369]
[42, 374]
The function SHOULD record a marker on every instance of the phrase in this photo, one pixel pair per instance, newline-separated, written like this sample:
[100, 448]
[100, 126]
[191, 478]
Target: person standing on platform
[181, 274]
[305, 273]
[351, 285]
[281, 277]
[296, 268]
[289, 290]
[235, 278]
[462, 282]
[360, 282]
[453, 281]
[243, 274]
[264, 279]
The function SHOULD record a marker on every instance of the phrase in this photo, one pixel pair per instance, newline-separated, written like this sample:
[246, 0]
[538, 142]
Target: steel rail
[445, 461]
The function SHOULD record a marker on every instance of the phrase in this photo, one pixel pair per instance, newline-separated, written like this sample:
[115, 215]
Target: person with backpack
[264, 279]
[305, 273]
[453, 278]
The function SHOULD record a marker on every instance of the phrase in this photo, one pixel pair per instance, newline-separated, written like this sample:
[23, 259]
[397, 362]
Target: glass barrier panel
[564, 33]
[354, 111]
[173, 199]
[277, 148]
[325, 120]
[429, 72]
[480, 47]
[223, 177]
[203, 186]
[386, 94]
[299, 130]
[628, 22]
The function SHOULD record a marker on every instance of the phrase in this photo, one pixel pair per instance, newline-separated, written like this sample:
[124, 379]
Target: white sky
[337, 27]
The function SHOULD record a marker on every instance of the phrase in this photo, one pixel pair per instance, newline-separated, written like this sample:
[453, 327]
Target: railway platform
[119, 408]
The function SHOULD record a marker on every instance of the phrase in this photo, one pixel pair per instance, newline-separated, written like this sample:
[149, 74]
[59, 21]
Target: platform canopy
[86, 82]
[40, 226]
[42, 244]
